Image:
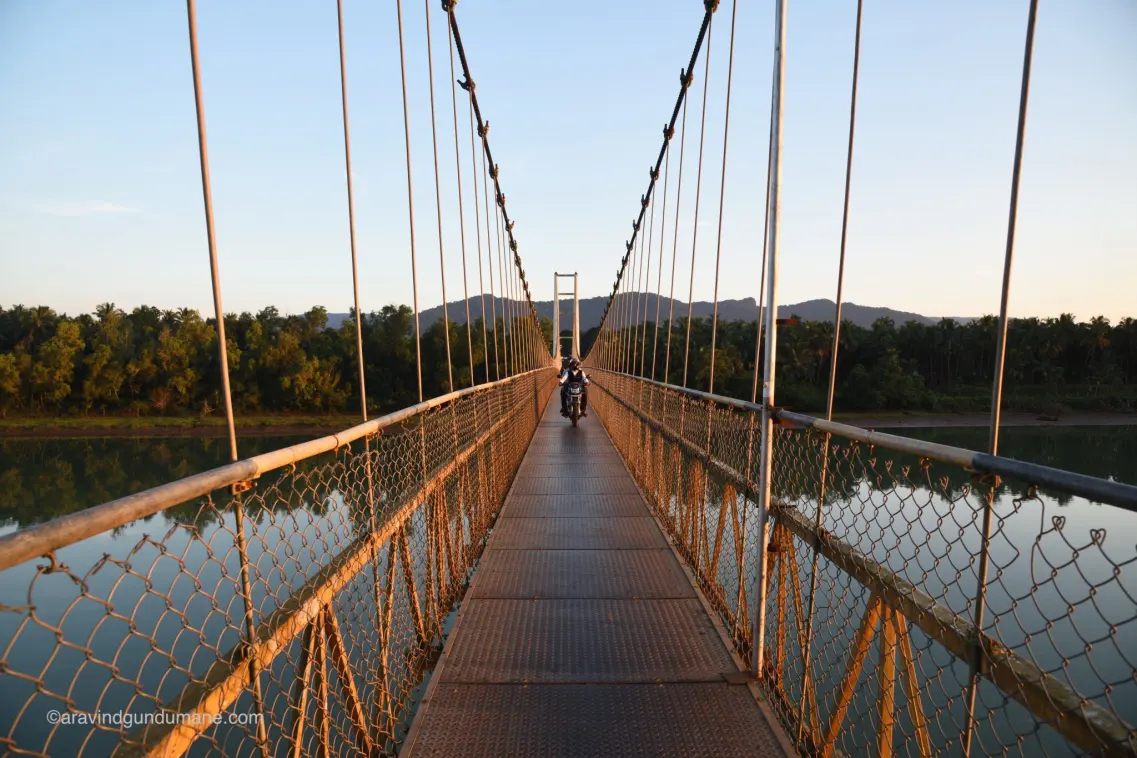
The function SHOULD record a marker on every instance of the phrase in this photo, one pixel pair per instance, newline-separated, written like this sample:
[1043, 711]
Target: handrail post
[767, 445]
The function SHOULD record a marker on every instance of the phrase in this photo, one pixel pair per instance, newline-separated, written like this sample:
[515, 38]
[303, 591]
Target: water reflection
[42, 479]
[922, 524]
[1107, 452]
[1061, 586]
[159, 597]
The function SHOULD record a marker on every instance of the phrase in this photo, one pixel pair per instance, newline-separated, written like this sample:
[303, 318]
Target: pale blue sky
[100, 194]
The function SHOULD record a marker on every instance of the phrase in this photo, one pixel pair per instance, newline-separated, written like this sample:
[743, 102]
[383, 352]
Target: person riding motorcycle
[574, 373]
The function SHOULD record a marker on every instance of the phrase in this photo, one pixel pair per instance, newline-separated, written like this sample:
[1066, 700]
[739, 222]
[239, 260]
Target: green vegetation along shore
[153, 371]
[1054, 367]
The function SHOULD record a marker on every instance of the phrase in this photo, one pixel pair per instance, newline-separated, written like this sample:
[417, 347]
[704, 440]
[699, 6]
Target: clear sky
[100, 192]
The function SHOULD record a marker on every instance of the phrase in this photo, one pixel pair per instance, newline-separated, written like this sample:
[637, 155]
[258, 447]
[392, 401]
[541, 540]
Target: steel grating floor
[581, 721]
[591, 574]
[580, 533]
[581, 633]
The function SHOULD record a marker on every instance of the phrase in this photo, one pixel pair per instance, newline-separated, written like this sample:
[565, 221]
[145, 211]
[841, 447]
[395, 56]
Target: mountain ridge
[745, 309]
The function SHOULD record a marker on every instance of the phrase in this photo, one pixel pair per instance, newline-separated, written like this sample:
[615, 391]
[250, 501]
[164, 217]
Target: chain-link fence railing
[873, 573]
[289, 614]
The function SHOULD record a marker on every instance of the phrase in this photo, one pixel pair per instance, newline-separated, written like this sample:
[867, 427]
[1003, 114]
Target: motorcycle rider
[574, 373]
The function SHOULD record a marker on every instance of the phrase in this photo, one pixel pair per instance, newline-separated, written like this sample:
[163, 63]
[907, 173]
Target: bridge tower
[574, 340]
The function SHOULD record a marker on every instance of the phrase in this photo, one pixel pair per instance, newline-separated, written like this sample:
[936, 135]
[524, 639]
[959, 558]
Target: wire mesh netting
[305, 611]
[872, 578]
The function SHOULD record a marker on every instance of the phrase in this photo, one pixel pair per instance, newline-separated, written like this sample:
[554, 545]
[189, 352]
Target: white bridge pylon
[574, 340]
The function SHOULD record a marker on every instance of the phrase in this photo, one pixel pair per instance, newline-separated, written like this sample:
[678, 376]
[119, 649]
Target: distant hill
[746, 309]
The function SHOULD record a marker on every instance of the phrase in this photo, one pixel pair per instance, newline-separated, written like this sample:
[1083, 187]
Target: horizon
[207, 313]
[104, 188]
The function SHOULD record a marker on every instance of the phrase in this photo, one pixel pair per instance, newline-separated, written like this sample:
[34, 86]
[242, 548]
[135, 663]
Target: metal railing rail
[1105, 491]
[41, 540]
[676, 441]
[355, 563]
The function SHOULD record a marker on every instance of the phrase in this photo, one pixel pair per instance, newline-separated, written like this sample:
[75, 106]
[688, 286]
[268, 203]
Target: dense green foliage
[151, 361]
[1051, 365]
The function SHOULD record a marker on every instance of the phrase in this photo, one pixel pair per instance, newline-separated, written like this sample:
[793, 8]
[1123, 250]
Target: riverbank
[919, 420]
[315, 426]
[173, 426]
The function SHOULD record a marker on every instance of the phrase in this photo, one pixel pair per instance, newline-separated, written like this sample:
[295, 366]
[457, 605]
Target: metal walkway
[581, 633]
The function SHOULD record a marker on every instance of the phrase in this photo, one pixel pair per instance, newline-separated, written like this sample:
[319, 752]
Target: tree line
[153, 361]
[1052, 365]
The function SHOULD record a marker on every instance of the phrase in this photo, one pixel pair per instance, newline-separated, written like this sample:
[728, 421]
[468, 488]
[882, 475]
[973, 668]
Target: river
[41, 479]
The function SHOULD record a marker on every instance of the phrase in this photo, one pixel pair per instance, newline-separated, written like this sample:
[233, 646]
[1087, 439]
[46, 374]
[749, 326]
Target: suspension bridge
[692, 575]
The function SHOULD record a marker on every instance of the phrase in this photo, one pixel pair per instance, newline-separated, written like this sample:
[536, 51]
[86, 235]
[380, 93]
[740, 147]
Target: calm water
[1062, 582]
[169, 577]
[43, 479]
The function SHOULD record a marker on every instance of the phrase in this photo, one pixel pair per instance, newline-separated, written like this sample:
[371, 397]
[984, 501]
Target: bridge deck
[581, 633]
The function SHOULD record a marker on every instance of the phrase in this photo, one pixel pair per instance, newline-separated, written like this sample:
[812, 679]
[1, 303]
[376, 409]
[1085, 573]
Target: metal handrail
[1104, 491]
[1086, 723]
[42, 539]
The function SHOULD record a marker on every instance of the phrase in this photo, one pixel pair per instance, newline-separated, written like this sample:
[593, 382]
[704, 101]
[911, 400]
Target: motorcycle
[575, 393]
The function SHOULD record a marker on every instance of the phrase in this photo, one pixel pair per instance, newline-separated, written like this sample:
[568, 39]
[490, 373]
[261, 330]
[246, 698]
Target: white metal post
[576, 315]
[767, 448]
[556, 315]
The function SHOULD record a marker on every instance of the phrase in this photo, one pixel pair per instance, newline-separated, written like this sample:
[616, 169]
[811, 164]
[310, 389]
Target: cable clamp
[238, 487]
